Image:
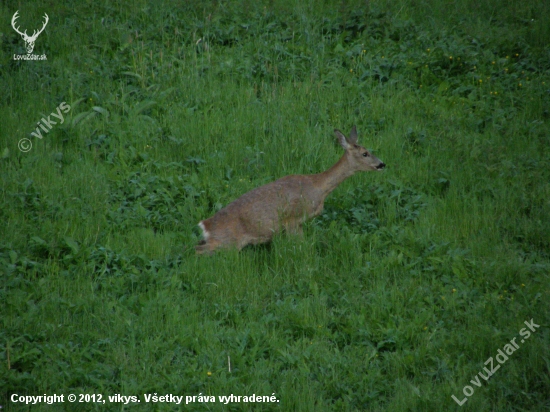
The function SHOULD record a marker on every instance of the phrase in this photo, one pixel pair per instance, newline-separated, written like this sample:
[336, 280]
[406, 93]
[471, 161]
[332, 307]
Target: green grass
[396, 295]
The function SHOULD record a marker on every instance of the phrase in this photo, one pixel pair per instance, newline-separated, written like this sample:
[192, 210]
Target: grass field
[396, 296]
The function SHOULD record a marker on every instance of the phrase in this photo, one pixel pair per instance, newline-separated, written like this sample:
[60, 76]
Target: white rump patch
[205, 233]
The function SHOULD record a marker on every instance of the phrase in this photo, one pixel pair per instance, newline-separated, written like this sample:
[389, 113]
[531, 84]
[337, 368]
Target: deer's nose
[381, 166]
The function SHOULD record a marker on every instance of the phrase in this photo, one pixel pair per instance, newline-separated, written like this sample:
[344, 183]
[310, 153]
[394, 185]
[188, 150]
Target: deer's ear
[342, 139]
[353, 135]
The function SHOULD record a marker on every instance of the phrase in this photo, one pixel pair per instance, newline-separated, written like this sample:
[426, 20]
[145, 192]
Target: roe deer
[285, 203]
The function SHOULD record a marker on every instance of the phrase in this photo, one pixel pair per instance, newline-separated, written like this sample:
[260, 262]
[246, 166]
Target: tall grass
[395, 296]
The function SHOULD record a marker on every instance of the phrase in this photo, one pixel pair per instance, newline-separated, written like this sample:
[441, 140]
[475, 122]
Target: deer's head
[359, 157]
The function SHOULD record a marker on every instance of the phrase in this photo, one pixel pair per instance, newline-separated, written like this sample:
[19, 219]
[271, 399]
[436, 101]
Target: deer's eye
[366, 154]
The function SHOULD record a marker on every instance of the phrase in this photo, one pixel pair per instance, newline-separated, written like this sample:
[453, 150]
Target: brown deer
[285, 203]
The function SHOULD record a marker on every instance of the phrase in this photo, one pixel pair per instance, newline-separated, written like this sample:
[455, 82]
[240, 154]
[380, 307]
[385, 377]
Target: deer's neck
[331, 178]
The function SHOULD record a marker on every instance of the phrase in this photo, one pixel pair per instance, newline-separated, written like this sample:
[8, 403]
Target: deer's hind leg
[204, 247]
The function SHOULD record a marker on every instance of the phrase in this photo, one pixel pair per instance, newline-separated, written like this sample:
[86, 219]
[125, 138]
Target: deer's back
[269, 206]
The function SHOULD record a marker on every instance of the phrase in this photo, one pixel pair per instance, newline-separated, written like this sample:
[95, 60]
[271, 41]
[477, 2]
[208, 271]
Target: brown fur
[285, 203]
